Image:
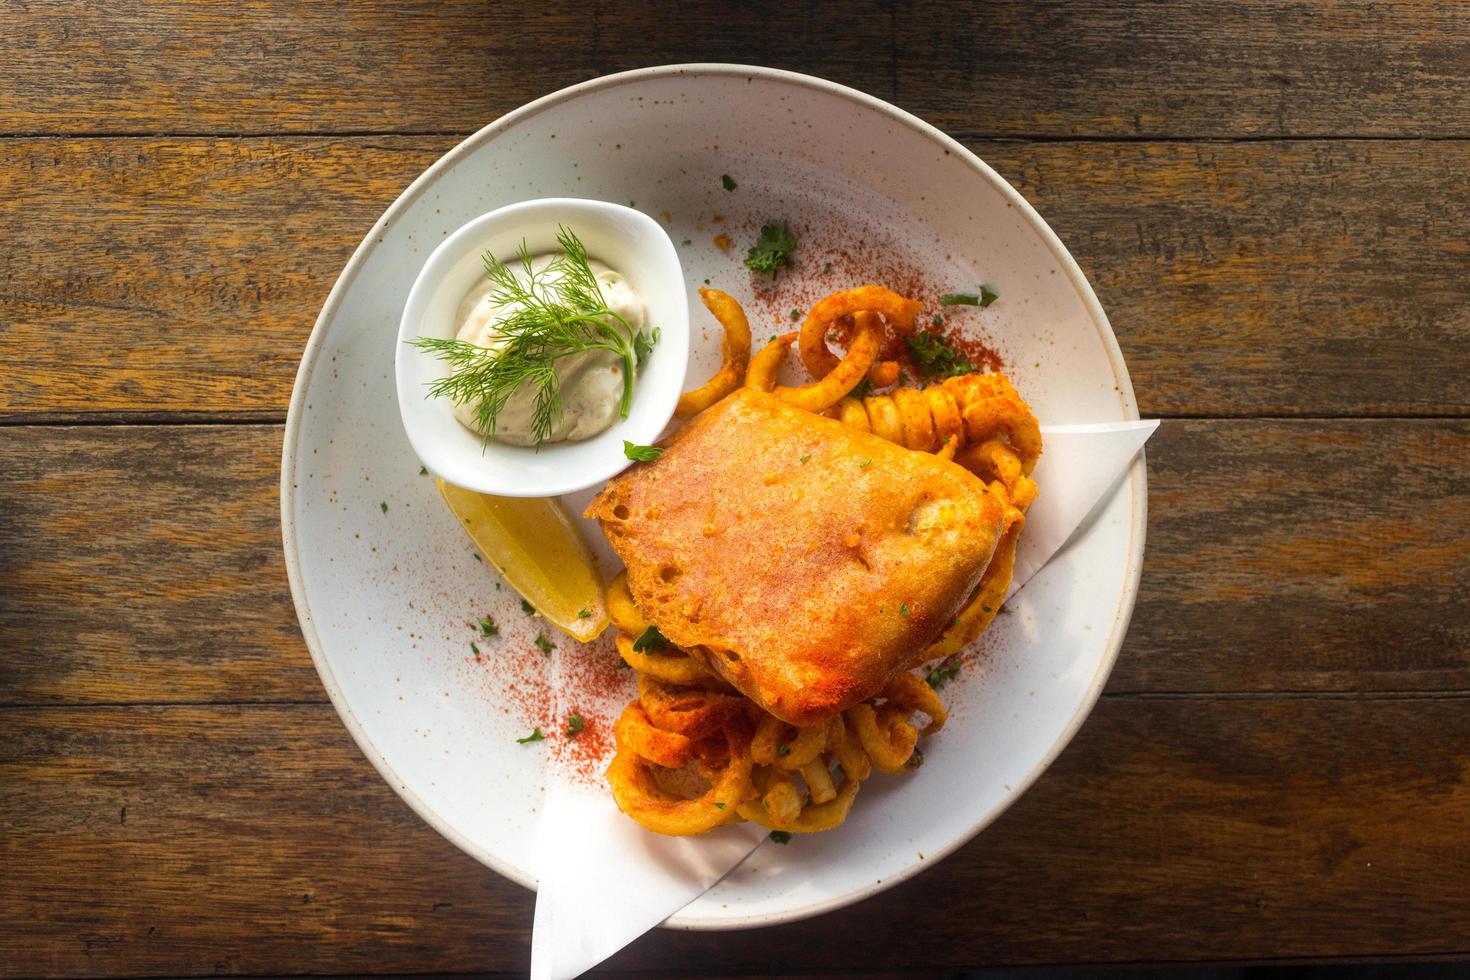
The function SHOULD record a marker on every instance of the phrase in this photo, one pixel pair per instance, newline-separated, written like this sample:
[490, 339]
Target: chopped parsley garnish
[982, 299]
[727, 182]
[544, 645]
[938, 320]
[641, 454]
[783, 750]
[780, 837]
[772, 250]
[535, 736]
[935, 357]
[947, 670]
[488, 627]
[527, 608]
[423, 471]
[384, 505]
[719, 806]
[473, 648]
[796, 314]
[688, 241]
[651, 639]
[584, 613]
[575, 725]
[865, 464]
[863, 390]
[903, 609]
[806, 457]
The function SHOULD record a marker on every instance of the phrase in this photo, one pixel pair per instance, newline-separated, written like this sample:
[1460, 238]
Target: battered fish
[801, 559]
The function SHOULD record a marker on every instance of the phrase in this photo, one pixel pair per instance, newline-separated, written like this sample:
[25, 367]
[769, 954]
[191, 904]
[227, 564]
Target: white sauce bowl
[627, 240]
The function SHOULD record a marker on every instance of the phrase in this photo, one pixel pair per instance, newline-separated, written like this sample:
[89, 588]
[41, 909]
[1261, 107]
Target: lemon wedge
[532, 543]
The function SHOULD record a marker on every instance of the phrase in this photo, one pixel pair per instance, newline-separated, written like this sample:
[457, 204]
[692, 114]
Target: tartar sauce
[591, 382]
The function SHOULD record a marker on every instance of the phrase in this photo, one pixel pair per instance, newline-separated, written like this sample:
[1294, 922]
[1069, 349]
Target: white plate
[385, 598]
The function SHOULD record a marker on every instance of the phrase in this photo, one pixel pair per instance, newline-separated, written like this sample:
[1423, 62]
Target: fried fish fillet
[803, 560]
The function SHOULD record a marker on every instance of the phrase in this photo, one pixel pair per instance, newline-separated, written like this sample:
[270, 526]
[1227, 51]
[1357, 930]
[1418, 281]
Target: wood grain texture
[1253, 68]
[377, 66]
[191, 840]
[1099, 68]
[144, 563]
[1304, 278]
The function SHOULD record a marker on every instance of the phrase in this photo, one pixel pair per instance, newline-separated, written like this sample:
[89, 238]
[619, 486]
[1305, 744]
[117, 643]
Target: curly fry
[638, 794]
[819, 781]
[911, 692]
[885, 735]
[734, 347]
[981, 610]
[781, 800]
[694, 713]
[812, 819]
[850, 755]
[770, 739]
[812, 344]
[761, 375]
[620, 608]
[822, 395]
[634, 730]
[675, 668]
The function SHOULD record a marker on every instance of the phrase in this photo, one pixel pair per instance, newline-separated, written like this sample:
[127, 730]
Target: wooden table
[1273, 202]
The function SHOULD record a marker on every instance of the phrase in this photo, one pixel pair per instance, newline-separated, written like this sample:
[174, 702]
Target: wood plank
[144, 564]
[281, 66]
[1304, 556]
[1253, 68]
[1105, 67]
[190, 840]
[1242, 278]
[1282, 556]
[1270, 278]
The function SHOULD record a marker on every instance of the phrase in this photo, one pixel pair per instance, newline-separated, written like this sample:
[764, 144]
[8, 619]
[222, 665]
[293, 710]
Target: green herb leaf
[903, 609]
[865, 464]
[944, 672]
[988, 296]
[936, 358]
[488, 626]
[651, 639]
[719, 806]
[772, 250]
[535, 736]
[783, 750]
[727, 182]
[575, 725]
[474, 649]
[795, 314]
[584, 613]
[780, 837]
[863, 390]
[384, 505]
[641, 454]
[544, 645]
[556, 312]
[527, 608]
[959, 299]
[806, 457]
[423, 471]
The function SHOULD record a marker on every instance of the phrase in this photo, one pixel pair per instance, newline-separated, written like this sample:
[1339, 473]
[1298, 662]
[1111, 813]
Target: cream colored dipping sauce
[591, 382]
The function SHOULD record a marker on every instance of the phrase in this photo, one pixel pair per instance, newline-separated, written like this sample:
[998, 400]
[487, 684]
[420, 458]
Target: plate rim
[1137, 475]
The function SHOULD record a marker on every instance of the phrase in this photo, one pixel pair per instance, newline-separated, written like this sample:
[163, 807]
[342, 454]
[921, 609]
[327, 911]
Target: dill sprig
[556, 312]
